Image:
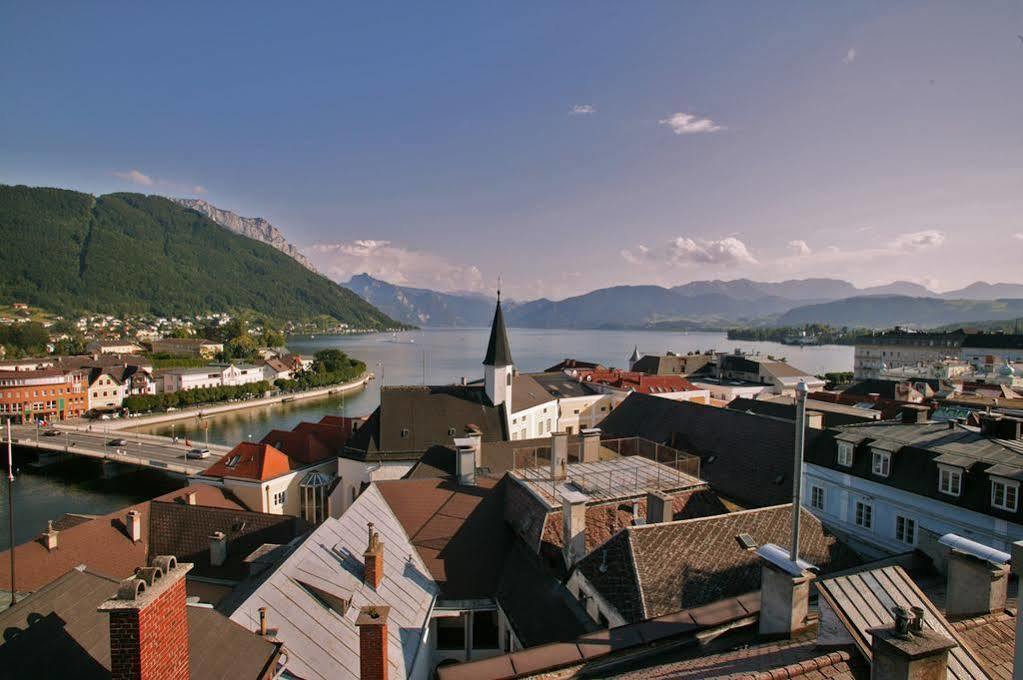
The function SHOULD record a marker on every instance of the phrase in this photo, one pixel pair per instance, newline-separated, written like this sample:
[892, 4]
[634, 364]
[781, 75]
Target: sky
[556, 147]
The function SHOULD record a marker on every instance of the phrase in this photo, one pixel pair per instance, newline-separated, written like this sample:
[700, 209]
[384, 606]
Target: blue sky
[561, 146]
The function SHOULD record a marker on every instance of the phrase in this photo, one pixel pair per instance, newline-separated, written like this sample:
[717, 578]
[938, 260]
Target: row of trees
[330, 367]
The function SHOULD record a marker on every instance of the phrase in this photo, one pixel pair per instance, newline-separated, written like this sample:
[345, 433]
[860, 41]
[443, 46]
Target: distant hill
[893, 310]
[421, 307]
[71, 252]
[254, 227]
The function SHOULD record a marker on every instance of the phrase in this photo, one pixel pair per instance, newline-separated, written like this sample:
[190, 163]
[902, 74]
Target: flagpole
[10, 509]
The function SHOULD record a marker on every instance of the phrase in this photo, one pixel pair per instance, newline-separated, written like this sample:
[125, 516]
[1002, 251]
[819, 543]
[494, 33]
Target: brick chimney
[975, 586]
[589, 451]
[908, 650]
[559, 455]
[573, 515]
[134, 525]
[50, 536]
[149, 623]
[659, 508]
[218, 549]
[374, 559]
[372, 625]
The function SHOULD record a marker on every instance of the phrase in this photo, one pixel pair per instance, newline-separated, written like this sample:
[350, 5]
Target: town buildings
[43, 394]
[113, 347]
[899, 348]
[194, 347]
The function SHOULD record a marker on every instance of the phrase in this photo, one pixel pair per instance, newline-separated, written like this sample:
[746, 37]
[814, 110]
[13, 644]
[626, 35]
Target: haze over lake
[445, 355]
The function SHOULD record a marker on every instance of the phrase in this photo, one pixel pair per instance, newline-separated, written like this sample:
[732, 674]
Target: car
[117, 442]
[198, 453]
[50, 433]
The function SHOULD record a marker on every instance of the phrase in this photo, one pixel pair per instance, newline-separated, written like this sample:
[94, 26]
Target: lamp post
[10, 509]
[797, 466]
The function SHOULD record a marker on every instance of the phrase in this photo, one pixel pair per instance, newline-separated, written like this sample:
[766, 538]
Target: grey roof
[863, 600]
[328, 566]
[58, 632]
[498, 350]
[993, 341]
[562, 386]
[527, 393]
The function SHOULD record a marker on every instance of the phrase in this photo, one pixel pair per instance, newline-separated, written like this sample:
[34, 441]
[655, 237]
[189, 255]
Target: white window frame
[817, 497]
[845, 454]
[1007, 486]
[881, 463]
[908, 529]
[952, 474]
[863, 515]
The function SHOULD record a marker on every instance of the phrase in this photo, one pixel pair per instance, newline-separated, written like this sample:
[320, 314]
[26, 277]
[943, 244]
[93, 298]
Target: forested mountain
[71, 252]
[422, 307]
[899, 310]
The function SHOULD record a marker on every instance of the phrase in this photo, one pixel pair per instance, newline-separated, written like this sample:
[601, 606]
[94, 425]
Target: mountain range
[71, 253]
[708, 304]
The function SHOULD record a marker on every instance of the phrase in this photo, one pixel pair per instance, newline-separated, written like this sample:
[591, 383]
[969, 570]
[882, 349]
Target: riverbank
[216, 409]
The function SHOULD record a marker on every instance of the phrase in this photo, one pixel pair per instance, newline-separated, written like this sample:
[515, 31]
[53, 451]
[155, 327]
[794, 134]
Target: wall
[355, 473]
[538, 421]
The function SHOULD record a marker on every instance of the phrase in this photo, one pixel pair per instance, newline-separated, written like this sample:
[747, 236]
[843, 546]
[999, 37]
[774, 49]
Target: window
[882, 464]
[279, 497]
[508, 380]
[905, 530]
[817, 497]
[451, 633]
[845, 454]
[404, 434]
[484, 630]
[950, 481]
[864, 514]
[1004, 494]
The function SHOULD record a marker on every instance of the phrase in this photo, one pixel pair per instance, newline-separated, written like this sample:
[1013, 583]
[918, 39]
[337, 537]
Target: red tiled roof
[637, 382]
[254, 461]
[993, 639]
[101, 543]
[302, 447]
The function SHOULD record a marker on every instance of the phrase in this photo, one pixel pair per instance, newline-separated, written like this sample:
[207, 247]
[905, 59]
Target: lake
[444, 355]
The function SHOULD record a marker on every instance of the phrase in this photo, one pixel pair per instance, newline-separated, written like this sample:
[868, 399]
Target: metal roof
[498, 350]
[321, 642]
[864, 600]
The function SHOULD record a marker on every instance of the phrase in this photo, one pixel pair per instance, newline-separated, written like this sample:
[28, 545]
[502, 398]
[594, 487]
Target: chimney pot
[50, 536]
[907, 655]
[218, 548]
[262, 621]
[134, 525]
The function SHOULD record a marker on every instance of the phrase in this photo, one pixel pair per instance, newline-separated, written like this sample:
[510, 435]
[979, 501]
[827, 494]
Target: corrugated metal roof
[320, 642]
[864, 600]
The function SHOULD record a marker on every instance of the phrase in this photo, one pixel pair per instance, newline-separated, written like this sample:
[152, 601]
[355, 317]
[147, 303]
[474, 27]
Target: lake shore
[184, 414]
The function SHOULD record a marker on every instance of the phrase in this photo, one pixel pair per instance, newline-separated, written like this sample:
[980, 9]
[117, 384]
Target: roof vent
[746, 541]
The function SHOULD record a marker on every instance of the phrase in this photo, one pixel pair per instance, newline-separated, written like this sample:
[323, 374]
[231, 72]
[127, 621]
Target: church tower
[633, 358]
[497, 365]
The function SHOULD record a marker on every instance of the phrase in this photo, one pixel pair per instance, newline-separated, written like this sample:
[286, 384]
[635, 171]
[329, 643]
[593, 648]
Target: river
[444, 355]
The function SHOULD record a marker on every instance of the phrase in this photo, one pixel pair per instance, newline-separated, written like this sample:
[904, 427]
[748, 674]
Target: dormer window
[1004, 494]
[881, 464]
[950, 480]
[845, 454]
[404, 434]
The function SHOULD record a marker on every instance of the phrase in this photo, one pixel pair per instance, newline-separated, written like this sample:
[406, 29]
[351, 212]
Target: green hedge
[199, 395]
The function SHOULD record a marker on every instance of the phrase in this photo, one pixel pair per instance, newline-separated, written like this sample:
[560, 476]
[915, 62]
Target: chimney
[573, 514]
[465, 462]
[262, 621]
[989, 424]
[372, 625]
[190, 497]
[659, 508]
[218, 549]
[134, 525]
[374, 559]
[784, 592]
[149, 623]
[909, 650]
[976, 586]
[590, 450]
[50, 536]
[559, 455]
[1009, 428]
[913, 413]
[1017, 559]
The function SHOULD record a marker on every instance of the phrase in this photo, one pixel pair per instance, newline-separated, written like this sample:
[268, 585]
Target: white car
[198, 453]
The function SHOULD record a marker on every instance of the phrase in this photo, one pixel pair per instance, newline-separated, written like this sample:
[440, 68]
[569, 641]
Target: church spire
[498, 350]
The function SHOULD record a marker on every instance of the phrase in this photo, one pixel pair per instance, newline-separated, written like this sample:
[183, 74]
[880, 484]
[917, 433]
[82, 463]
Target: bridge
[140, 450]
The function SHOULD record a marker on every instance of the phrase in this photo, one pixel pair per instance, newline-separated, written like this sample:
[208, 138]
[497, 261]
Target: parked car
[50, 433]
[198, 453]
[117, 442]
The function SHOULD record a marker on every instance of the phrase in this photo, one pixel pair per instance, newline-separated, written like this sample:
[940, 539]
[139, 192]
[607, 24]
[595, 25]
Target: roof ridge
[747, 511]
[635, 571]
[974, 622]
[801, 668]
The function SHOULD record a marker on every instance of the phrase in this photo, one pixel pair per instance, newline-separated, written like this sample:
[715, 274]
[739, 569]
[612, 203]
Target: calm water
[439, 356]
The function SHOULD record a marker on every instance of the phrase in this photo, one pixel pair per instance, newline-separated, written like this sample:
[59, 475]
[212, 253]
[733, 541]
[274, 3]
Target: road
[144, 450]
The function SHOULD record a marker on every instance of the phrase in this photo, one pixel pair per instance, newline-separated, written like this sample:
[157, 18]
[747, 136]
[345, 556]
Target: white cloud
[799, 248]
[583, 109]
[393, 263]
[136, 177]
[1018, 236]
[918, 240]
[199, 189]
[850, 56]
[681, 251]
[689, 124]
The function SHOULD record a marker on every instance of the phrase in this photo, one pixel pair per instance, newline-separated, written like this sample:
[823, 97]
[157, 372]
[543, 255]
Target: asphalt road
[156, 452]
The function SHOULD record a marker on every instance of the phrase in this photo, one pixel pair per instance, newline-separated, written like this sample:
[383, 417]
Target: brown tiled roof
[303, 447]
[102, 544]
[656, 569]
[993, 640]
[458, 531]
[184, 531]
[745, 457]
[58, 632]
[255, 461]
